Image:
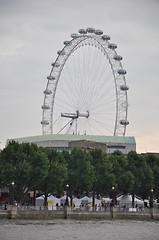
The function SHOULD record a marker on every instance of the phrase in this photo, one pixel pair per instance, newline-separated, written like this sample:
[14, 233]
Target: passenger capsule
[124, 122]
[46, 107]
[112, 46]
[44, 122]
[124, 87]
[90, 30]
[105, 37]
[66, 43]
[74, 35]
[122, 71]
[61, 52]
[55, 64]
[98, 32]
[50, 78]
[117, 57]
[82, 31]
[47, 92]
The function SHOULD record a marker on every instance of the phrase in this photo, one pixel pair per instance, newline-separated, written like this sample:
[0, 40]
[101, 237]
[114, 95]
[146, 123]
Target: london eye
[86, 90]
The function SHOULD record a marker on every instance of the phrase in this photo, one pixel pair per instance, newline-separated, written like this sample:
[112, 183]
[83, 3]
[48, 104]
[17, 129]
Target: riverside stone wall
[68, 213]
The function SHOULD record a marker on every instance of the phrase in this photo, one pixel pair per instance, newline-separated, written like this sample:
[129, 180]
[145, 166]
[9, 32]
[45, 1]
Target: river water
[78, 230]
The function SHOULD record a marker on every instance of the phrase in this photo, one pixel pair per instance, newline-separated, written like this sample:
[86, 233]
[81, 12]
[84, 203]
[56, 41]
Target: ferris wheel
[86, 91]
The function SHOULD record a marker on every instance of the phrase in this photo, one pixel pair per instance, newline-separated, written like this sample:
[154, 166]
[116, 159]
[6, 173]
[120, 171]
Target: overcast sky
[31, 33]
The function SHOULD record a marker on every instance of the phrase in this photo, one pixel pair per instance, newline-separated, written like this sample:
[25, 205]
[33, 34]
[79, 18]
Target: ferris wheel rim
[58, 65]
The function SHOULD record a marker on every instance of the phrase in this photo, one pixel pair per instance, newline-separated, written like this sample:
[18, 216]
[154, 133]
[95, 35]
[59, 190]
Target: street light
[151, 198]
[112, 208]
[12, 192]
[113, 196]
[67, 188]
[151, 203]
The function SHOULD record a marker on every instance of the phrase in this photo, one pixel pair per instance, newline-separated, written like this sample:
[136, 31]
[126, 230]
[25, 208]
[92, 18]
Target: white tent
[40, 201]
[97, 201]
[77, 202]
[86, 200]
[55, 200]
[126, 200]
[52, 202]
[63, 200]
[107, 200]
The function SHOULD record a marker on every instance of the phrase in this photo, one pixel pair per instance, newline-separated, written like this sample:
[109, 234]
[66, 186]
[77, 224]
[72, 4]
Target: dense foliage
[33, 168]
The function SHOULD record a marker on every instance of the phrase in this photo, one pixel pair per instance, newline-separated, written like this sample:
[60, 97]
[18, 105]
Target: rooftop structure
[67, 142]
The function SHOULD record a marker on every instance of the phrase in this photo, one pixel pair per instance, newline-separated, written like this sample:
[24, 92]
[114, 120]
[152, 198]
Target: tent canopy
[63, 200]
[52, 201]
[85, 198]
[127, 199]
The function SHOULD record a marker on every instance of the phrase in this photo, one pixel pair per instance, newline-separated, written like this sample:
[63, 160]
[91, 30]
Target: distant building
[61, 142]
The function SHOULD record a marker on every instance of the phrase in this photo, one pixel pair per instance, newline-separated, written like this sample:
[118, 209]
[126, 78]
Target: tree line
[33, 168]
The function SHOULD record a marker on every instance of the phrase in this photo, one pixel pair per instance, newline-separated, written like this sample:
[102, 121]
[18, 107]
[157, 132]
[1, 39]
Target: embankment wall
[77, 215]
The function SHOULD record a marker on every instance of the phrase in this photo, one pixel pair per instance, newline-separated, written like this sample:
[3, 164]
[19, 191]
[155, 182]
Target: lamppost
[13, 207]
[151, 198]
[113, 196]
[112, 209]
[67, 201]
[12, 197]
[151, 203]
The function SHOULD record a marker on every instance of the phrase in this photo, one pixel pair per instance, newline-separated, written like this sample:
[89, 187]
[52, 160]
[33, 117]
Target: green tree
[153, 163]
[55, 180]
[39, 168]
[103, 178]
[142, 173]
[80, 172]
[60, 173]
[16, 169]
[123, 177]
[1, 170]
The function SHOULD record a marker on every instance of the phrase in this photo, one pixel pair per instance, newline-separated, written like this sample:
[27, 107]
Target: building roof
[74, 137]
